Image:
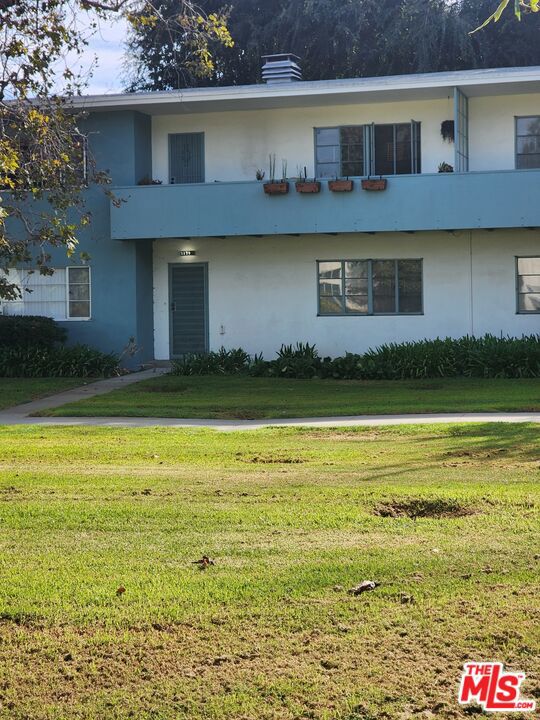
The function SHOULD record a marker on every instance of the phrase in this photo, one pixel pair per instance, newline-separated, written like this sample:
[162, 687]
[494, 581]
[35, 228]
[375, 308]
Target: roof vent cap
[281, 68]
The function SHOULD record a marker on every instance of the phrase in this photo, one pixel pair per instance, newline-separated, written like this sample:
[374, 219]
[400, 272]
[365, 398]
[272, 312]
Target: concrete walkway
[10, 415]
[9, 418]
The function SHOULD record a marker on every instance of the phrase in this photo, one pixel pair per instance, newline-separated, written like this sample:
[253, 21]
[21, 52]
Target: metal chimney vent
[281, 68]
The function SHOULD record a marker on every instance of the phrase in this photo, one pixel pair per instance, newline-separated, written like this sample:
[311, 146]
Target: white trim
[434, 84]
[5, 304]
[79, 267]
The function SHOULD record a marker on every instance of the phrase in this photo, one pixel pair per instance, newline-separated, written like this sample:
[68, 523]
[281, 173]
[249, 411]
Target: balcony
[453, 201]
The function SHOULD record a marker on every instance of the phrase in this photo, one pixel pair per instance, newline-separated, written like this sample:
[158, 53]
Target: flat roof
[422, 86]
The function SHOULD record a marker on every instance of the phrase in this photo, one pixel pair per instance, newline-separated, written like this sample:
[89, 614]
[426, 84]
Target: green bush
[488, 356]
[222, 362]
[301, 361]
[30, 331]
[75, 361]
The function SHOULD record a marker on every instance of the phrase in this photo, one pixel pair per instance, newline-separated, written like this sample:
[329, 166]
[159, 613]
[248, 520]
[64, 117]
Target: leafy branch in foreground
[44, 163]
[519, 6]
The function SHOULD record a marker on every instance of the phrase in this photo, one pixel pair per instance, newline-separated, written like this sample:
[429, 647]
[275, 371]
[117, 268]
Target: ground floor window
[64, 295]
[370, 287]
[528, 284]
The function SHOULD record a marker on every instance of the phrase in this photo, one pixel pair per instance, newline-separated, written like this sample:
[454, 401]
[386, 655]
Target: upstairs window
[528, 285]
[370, 287]
[396, 149]
[340, 151]
[528, 142]
[356, 150]
[64, 295]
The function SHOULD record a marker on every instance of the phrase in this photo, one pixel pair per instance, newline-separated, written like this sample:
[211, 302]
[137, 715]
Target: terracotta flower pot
[340, 185]
[304, 186]
[372, 184]
[276, 188]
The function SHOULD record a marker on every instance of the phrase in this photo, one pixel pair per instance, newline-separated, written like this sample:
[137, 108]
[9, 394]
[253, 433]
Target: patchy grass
[247, 397]
[14, 391]
[269, 632]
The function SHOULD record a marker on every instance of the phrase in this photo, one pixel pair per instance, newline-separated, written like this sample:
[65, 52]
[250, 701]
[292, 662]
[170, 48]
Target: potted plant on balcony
[303, 185]
[273, 186]
[374, 184]
[147, 180]
[341, 185]
[445, 167]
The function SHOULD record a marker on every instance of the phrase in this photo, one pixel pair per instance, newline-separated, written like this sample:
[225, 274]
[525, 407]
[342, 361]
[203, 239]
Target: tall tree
[41, 149]
[341, 39]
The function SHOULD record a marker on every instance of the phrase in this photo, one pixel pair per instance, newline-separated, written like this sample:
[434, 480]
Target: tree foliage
[519, 6]
[44, 168]
[349, 38]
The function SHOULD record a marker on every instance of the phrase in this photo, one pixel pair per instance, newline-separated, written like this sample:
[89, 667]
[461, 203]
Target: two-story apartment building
[208, 258]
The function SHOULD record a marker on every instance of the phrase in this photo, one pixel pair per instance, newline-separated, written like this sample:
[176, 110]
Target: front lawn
[14, 391]
[446, 518]
[252, 397]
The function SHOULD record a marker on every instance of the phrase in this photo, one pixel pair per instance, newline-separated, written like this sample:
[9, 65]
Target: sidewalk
[8, 417]
[20, 414]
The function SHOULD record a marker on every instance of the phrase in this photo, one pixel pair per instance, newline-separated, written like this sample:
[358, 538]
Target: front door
[188, 290]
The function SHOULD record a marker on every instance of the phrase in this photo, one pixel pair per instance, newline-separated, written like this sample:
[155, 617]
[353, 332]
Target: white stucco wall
[492, 129]
[237, 143]
[263, 291]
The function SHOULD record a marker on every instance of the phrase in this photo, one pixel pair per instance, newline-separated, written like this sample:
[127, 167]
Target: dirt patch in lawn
[423, 508]
[335, 436]
[269, 459]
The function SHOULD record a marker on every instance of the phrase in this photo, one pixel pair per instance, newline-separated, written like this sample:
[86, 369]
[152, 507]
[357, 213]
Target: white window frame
[79, 267]
[5, 304]
[517, 154]
[518, 293]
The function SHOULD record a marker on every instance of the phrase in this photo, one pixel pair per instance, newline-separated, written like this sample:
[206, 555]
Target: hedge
[30, 331]
[74, 361]
[488, 356]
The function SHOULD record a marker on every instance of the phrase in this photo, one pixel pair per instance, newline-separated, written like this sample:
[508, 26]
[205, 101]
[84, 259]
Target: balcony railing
[447, 201]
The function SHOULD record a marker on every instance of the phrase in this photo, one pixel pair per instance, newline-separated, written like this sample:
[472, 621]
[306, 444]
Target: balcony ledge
[445, 201]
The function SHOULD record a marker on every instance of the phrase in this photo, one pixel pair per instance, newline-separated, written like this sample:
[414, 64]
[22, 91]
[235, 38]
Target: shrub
[75, 361]
[30, 331]
[222, 362]
[301, 361]
[488, 356]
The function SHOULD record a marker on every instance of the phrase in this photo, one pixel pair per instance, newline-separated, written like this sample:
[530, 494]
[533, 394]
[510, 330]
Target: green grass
[248, 397]
[14, 391]
[292, 518]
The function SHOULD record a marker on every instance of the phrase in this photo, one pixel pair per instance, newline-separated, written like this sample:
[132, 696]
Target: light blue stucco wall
[120, 143]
